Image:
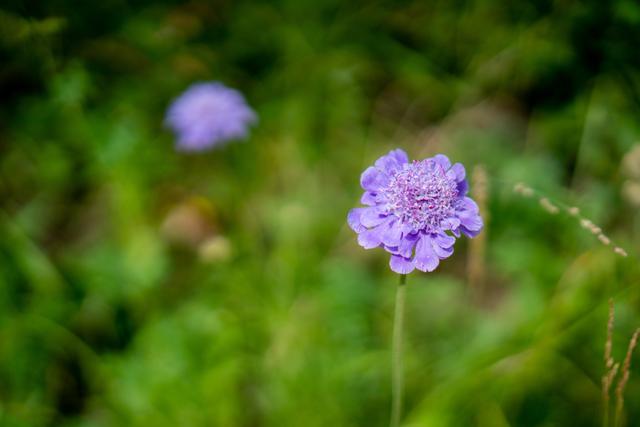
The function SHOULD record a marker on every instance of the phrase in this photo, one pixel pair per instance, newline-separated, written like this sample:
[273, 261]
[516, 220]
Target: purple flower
[414, 210]
[207, 115]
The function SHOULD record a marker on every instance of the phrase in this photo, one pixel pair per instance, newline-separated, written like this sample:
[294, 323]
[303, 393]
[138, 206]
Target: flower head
[414, 210]
[207, 115]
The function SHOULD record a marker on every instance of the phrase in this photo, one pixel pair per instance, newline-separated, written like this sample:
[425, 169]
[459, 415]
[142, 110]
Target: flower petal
[393, 234]
[442, 161]
[387, 164]
[450, 223]
[401, 265]
[369, 198]
[467, 204]
[370, 239]
[462, 187]
[408, 242]
[470, 233]
[471, 222]
[457, 172]
[400, 155]
[444, 240]
[468, 214]
[425, 259]
[373, 179]
[372, 217]
[439, 250]
[353, 219]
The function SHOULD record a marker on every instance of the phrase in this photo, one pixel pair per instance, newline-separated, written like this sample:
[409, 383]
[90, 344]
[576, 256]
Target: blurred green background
[144, 287]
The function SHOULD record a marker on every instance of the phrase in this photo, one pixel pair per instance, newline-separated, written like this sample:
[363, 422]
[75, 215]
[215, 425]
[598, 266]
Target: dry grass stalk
[620, 251]
[622, 382]
[608, 360]
[548, 206]
[574, 211]
[604, 239]
[476, 271]
[607, 380]
[611, 368]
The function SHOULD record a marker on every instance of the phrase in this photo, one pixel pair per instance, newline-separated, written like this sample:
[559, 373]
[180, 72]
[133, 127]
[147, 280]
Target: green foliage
[140, 286]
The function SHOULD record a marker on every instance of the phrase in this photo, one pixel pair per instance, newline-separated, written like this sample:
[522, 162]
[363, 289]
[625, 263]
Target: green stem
[396, 355]
[605, 411]
[618, 415]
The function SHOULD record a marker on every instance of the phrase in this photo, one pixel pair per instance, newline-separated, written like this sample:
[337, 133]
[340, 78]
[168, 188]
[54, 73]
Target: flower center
[421, 195]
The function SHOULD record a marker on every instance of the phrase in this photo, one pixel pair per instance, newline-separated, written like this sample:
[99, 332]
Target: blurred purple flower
[410, 207]
[208, 115]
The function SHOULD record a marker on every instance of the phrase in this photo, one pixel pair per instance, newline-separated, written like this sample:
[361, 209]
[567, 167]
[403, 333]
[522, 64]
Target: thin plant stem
[476, 271]
[396, 354]
[611, 368]
[622, 382]
[605, 402]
